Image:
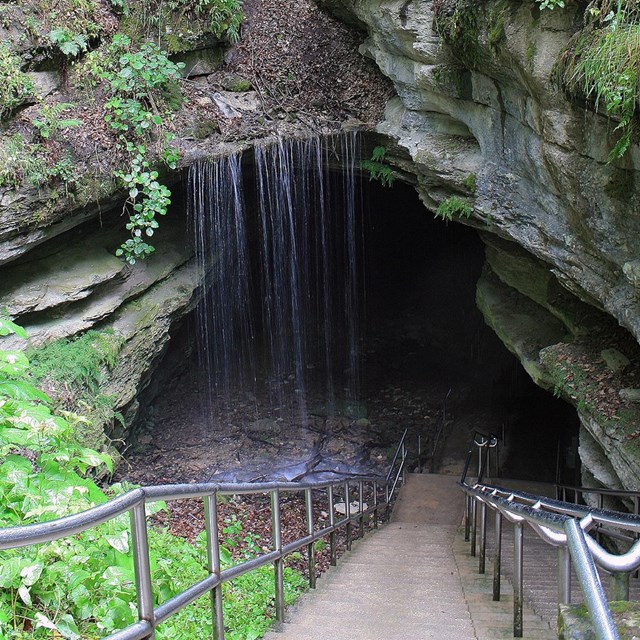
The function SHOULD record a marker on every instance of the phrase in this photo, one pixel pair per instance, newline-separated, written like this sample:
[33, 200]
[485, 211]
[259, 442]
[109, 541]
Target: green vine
[141, 83]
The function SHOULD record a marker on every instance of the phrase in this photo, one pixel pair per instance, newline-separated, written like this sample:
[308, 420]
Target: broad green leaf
[24, 594]
[31, 573]
[43, 622]
[120, 542]
[68, 627]
[21, 390]
[7, 327]
[13, 363]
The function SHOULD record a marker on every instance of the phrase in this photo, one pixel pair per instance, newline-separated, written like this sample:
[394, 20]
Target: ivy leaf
[24, 594]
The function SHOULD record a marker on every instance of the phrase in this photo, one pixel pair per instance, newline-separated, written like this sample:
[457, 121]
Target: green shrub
[181, 24]
[139, 83]
[551, 4]
[49, 121]
[15, 86]
[72, 370]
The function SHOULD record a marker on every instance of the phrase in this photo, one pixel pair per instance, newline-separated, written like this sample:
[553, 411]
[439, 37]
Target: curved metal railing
[133, 502]
[565, 526]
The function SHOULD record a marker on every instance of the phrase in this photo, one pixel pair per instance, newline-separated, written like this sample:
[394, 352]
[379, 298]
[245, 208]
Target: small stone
[363, 422]
[630, 395]
[354, 507]
[614, 360]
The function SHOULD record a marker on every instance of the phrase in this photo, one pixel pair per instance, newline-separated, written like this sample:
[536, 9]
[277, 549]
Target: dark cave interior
[420, 330]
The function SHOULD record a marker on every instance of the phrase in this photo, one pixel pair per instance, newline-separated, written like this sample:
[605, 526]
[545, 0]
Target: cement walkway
[411, 580]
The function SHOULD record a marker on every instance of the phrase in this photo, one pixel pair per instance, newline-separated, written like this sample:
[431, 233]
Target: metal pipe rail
[565, 526]
[133, 502]
[481, 441]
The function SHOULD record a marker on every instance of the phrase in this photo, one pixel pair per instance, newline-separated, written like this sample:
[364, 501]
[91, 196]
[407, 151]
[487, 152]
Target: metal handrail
[134, 501]
[564, 525]
[399, 459]
[480, 441]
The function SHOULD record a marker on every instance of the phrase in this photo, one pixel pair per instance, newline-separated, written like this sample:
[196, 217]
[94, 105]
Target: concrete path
[404, 582]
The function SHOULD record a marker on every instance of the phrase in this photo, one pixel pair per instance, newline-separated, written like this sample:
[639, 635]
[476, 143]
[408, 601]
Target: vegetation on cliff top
[600, 66]
[602, 63]
[112, 55]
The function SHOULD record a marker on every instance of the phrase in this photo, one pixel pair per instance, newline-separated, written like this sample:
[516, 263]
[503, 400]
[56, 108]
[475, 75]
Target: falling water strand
[225, 318]
[281, 313]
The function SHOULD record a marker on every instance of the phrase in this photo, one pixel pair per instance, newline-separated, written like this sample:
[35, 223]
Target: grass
[602, 66]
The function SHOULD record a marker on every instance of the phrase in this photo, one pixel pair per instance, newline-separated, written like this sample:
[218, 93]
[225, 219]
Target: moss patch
[574, 622]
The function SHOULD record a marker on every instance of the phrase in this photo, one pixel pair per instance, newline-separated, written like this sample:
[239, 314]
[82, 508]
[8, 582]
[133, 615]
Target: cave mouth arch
[428, 362]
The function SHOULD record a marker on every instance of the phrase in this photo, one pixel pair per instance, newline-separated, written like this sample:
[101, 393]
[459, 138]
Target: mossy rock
[236, 83]
[574, 621]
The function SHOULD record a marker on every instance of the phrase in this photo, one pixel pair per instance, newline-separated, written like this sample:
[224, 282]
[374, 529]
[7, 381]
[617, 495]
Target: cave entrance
[406, 319]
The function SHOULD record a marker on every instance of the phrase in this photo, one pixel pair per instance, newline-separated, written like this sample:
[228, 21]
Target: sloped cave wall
[485, 121]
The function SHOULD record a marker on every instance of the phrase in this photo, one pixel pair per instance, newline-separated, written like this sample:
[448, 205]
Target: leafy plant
[551, 4]
[181, 24]
[457, 23]
[453, 206]
[49, 121]
[20, 161]
[470, 183]
[83, 586]
[377, 167]
[70, 44]
[16, 87]
[138, 84]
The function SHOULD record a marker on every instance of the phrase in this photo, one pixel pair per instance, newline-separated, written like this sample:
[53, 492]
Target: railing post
[213, 560]
[518, 544]
[375, 504]
[142, 565]
[333, 552]
[404, 463]
[564, 575]
[276, 534]
[467, 517]
[387, 505]
[311, 552]
[585, 569]
[361, 507]
[497, 559]
[347, 511]
[474, 509]
[619, 586]
[483, 538]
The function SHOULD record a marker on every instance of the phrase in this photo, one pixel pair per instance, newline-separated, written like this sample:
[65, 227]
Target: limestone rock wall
[484, 121]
